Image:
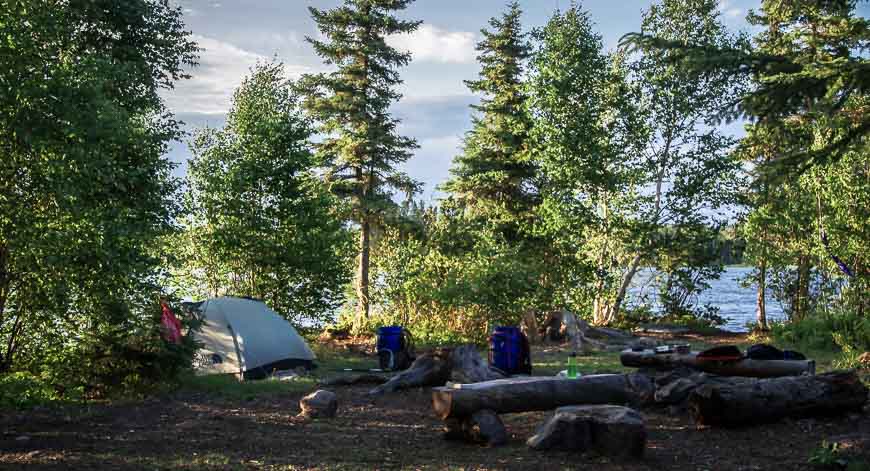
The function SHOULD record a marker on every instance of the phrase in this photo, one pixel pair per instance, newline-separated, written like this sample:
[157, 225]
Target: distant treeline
[729, 246]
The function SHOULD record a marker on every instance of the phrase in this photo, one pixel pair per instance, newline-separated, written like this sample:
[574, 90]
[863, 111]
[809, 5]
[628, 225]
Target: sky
[235, 34]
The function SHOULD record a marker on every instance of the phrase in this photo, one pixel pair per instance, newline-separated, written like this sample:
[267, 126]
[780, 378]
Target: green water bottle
[572, 365]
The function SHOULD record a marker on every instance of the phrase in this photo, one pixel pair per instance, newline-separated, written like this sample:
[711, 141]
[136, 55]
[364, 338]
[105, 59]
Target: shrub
[22, 390]
[842, 331]
[120, 352]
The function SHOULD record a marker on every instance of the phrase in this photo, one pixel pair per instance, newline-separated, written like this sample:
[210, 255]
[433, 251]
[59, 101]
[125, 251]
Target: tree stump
[467, 366]
[429, 369]
[610, 430]
[484, 426]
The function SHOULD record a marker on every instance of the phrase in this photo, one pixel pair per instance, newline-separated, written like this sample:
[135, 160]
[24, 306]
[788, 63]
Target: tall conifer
[494, 177]
[361, 148]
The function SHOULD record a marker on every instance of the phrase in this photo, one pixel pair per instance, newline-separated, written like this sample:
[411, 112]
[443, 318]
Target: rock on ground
[615, 431]
[484, 427]
[321, 403]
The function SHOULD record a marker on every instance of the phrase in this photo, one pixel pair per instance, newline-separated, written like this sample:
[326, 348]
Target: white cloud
[433, 44]
[222, 66]
[729, 10]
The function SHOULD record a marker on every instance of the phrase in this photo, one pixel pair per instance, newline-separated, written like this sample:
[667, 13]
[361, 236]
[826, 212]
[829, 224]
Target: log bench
[470, 411]
[535, 393]
[745, 367]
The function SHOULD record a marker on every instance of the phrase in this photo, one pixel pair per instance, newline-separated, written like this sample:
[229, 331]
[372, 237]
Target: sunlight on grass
[331, 360]
[547, 363]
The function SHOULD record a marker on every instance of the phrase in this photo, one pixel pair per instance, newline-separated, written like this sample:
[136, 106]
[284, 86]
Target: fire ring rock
[319, 404]
[609, 430]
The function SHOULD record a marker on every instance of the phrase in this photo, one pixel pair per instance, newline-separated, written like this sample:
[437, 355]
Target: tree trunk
[613, 310]
[530, 326]
[5, 291]
[745, 367]
[362, 291]
[760, 300]
[769, 400]
[4, 280]
[802, 297]
[540, 393]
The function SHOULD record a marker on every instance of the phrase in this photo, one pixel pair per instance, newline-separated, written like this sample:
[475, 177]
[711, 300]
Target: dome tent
[246, 338]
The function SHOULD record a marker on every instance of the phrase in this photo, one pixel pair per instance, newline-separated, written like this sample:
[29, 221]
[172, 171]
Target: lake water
[736, 304]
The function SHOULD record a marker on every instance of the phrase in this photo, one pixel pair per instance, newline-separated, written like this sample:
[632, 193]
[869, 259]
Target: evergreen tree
[792, 221]
[808, 64]
[494, 177]
[361, 148]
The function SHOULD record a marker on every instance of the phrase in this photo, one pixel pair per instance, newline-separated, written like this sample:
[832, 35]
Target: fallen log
[541, 393]
[745, 367]
[769, 400]
[610, 335]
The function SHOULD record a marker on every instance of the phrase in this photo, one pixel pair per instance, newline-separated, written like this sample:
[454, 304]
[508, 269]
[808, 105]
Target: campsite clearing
[217, 423]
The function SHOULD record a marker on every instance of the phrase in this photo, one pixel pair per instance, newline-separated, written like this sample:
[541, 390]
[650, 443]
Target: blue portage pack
[509, 351]
[395, 348]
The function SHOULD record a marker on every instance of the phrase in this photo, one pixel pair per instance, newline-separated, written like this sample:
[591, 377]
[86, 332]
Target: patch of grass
[552, 361]
[228, 387]
[831, 455]
[330, 360]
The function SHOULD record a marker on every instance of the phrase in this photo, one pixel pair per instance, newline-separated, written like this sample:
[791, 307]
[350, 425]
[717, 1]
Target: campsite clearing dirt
[204, 431]
[396, 431]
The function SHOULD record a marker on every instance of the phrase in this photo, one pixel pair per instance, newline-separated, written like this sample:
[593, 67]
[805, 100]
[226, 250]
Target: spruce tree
[493, 177]
[808, 64]
[803, 118]
[361, 148]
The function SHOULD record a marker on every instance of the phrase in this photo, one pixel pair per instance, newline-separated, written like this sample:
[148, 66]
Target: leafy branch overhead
[810, 64]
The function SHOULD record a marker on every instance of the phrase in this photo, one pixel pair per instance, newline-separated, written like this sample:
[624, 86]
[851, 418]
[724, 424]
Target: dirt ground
[397, 431]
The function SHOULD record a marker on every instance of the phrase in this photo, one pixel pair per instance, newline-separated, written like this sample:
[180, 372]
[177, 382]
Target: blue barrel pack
[509, 351]
[390, 338]
[395, 349]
